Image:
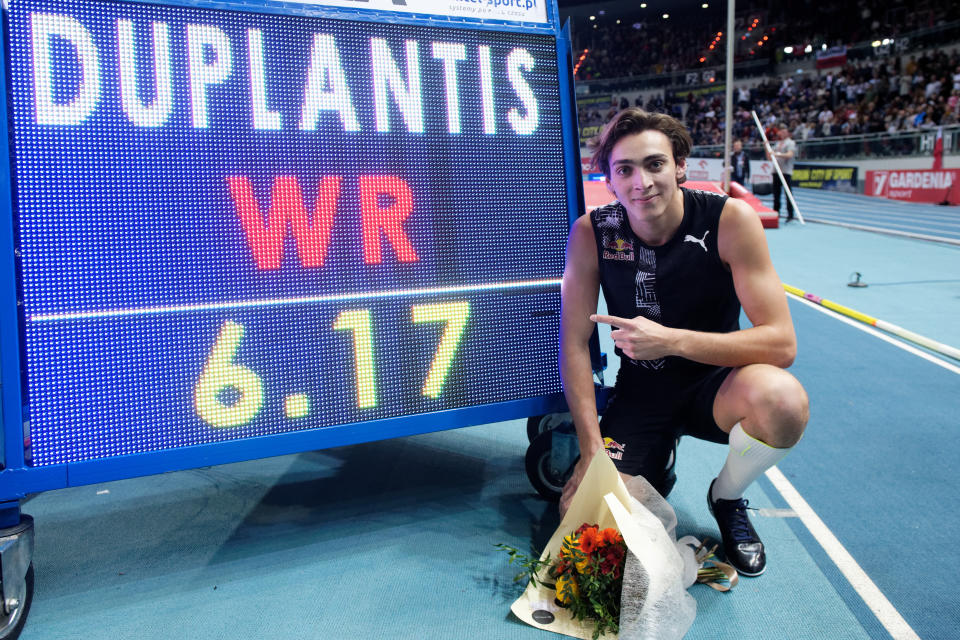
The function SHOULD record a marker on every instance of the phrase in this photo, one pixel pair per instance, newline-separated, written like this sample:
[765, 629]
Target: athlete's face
[643, 174]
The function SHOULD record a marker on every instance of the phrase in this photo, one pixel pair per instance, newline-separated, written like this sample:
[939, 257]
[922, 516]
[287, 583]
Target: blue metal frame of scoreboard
[20, 476]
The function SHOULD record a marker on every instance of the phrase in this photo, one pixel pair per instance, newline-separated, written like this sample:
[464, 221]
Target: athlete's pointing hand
[639, 338]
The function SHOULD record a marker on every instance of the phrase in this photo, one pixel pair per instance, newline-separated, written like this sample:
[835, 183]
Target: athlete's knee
[780, 409]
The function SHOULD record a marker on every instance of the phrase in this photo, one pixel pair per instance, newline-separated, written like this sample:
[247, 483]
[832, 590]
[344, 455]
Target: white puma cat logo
[699, 241]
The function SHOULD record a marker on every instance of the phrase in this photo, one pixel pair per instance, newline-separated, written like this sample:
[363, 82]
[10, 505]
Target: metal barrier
[873, 145]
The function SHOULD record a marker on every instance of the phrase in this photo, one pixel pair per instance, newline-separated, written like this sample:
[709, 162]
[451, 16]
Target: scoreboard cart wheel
[16, 577]
[533, 427]
[11, 623]
[549, 462]
[540, 424]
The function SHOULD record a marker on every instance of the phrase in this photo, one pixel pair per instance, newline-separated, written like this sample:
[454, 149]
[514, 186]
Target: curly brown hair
[636, 120]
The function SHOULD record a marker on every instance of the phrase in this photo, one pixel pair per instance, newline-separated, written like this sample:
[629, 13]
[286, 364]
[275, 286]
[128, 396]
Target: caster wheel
[11, 624]
[541, 424]
[549, 462]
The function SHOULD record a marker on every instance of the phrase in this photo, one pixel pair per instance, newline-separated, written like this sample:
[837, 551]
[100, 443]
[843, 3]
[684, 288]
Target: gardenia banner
[915, 185]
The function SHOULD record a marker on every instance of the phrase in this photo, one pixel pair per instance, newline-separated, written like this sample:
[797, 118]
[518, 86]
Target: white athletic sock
[746, 460]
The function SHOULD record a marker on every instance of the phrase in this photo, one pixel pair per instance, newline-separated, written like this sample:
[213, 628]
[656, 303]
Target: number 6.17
[220, 372]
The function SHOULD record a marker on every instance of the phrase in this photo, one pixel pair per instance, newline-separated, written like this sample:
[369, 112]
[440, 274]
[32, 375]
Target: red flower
[590, 540]
[583, 528]
[612, 560]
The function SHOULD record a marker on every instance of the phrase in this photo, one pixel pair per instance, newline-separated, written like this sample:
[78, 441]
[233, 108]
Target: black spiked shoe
[741, 544]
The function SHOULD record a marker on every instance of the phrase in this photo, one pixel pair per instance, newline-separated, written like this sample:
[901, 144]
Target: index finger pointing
[611, 320]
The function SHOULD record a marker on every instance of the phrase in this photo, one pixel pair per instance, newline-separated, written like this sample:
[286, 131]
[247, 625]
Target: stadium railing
[919, 142]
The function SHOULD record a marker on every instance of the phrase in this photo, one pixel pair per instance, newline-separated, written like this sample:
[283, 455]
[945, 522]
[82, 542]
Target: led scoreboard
[231, 222]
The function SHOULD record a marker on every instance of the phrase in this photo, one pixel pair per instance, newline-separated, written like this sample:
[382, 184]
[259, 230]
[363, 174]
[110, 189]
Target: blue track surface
[878, 464]
[394, 539]
[879, 214]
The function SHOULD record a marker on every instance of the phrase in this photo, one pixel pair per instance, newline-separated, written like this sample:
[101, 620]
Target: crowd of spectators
[883, 95]
[638, 45]
[642, 49]
[866, 96]
[864, 20]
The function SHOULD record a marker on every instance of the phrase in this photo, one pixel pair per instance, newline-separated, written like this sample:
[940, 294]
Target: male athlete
[675, 266]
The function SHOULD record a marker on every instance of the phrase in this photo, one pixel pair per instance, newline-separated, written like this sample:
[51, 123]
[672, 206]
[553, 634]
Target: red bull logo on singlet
[618, 249]
[614, 449]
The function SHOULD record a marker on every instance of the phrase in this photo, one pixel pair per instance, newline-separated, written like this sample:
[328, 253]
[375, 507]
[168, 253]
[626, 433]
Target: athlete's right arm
[579, 294]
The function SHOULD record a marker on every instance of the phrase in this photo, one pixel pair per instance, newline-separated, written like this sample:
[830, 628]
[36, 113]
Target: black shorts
[641, 426]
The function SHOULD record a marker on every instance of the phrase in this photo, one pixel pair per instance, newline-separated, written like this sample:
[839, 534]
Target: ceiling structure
[635, 11]
[633, 7]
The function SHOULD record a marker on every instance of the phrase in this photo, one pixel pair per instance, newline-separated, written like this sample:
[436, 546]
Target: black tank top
[682, 283]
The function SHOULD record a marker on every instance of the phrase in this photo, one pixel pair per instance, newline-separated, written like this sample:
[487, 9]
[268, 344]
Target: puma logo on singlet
[699, 241]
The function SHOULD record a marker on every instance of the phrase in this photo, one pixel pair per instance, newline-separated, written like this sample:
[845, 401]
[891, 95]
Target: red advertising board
[915, 185]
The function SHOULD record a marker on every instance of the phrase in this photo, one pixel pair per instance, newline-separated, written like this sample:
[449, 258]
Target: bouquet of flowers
[624, 576]
[589, 575]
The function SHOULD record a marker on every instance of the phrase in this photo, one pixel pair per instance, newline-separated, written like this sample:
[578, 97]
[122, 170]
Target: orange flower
[610, 536]
[589, 540]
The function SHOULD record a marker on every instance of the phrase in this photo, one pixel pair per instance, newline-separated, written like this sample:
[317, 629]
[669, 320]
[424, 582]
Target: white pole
[728, 129]
[776, 165]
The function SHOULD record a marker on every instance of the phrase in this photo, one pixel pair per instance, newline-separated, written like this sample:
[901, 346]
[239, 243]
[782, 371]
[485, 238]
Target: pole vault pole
[776, 165]
[728, 129]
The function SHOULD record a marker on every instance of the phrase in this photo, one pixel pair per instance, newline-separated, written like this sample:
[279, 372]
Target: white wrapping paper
[655, 603]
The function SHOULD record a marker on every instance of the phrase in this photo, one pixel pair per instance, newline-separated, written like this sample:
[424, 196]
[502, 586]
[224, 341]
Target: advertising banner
[832, 57]
[836, 178]
[589, 132]
[828, 177]
[589, 104]
[705, 169]
[915, 185]
[762, 172]
[709, 91]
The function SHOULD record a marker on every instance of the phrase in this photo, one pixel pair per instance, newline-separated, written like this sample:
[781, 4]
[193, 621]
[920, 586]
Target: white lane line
[878, 334]
[889, 217]
[777, 513]
[885, 211]
[893, 232]
[889, 617]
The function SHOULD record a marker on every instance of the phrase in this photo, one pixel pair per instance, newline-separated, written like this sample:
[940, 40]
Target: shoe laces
[735, 512]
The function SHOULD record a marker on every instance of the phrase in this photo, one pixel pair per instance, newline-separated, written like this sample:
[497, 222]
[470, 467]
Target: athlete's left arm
[771, 340]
